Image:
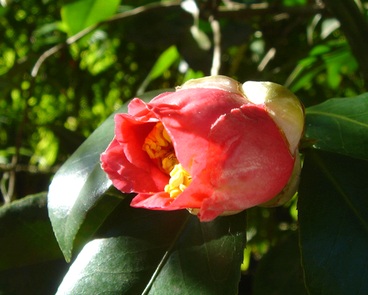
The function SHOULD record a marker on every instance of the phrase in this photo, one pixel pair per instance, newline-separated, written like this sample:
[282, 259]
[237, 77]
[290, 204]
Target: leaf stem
[165, 257]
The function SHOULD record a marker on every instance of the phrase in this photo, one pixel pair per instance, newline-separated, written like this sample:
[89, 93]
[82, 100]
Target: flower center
[158, 143]
[159, 147]
[179, 181]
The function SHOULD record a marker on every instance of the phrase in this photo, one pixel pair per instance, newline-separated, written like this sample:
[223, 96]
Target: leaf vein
[339, 117]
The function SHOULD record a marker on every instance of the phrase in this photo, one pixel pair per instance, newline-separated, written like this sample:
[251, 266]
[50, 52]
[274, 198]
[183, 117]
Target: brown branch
[8, 192]
[86, 31]
[230, 10]
[243, 11]
[32, 169]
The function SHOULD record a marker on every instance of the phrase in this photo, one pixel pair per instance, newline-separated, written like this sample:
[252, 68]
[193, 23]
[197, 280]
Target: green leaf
[339, 62]
[339, 125]
[81, 14]
[79, 199]
[326, 63]
[78, 186]
[35, 279]
[28, 248]
[26, 235]
[163, 63]
[303, 75]
[165, 60]
[333, 220]
[151, 252]
[279, 271]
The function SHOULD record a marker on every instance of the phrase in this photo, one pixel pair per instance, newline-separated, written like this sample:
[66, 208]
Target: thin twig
[266, 59]
[242, 11]
[31, 169]
[9, 195]
[216, 60]
[44, 56]
[231, 10]
[88, 30]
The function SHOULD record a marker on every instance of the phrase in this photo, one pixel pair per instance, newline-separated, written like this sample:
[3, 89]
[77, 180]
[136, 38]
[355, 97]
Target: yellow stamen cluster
[179, 181]
[157, 143]
[158, 146]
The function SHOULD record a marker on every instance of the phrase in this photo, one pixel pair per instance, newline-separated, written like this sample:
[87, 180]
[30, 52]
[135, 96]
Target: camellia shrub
[215, 187]
[214, 147]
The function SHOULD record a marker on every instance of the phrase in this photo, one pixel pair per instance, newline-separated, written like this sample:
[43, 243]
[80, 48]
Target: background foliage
[65, 66]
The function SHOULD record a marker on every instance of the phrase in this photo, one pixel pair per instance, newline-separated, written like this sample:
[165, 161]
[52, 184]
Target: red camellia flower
[214, 147]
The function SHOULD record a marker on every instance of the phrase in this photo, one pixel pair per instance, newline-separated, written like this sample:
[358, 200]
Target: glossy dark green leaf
[155, 252]
[280, 271]
[81, 14]
[28, 249]
[26, 235]
[77, 187]
[40, 278]
[79, 199]
[206, 259]
[333, 219]
[340, 125]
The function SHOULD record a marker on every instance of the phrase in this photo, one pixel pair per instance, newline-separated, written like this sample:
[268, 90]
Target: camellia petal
[188, 120]
[282, 105]
[155, 201]
[243, 168]
[214, 147]
[119, 169]
[290, 188]
[124, 157]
